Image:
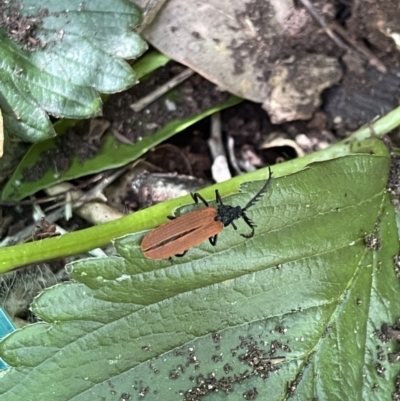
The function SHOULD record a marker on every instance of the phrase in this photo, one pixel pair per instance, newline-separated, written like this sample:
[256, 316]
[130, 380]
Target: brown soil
[195, 95]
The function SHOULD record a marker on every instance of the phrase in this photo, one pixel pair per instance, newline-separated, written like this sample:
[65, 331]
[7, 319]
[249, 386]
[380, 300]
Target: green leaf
[305, 289]
[17, 189]
[150, 62]
[85, 45]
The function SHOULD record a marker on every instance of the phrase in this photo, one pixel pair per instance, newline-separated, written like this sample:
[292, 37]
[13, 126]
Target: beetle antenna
[260, 193]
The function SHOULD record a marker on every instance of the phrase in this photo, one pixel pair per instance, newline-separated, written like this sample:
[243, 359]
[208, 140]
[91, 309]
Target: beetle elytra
[184, 232]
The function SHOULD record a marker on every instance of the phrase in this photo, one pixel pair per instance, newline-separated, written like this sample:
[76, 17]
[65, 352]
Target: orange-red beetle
[175, 237]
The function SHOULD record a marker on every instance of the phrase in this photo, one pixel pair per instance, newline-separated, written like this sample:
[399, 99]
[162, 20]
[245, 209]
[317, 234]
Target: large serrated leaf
[306, 291]
[84, 46]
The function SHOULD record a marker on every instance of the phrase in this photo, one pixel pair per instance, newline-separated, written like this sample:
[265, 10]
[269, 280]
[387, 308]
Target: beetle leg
[218, 197]
[171, 217]
[196, 196]
[250, 224]
[233, 225]
[179, 255]
[213, 240]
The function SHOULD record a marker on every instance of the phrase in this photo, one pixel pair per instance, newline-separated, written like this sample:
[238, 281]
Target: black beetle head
[227, 214]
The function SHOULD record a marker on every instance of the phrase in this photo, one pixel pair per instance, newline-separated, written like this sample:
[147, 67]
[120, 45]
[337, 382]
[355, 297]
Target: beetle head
[227, 214]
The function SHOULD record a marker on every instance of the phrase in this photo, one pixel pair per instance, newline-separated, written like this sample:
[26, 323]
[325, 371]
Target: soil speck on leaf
[20, 28]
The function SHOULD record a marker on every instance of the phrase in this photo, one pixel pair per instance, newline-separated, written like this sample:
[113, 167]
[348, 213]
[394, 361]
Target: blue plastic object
[6, 327]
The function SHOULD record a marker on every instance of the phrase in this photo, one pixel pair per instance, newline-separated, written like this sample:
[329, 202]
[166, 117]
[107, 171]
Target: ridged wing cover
[181, 234]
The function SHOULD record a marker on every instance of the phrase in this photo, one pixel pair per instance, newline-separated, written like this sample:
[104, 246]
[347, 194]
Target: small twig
[373, 60]
[320, 19]
[52, 198]
[95, 192]
[232, 156]
[27, 231]
[151, 97]
[119, 137]
[46, 199]
[219, 168]
[334, 27]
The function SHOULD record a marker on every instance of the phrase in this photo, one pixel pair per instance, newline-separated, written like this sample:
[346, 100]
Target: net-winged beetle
[184, 232]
